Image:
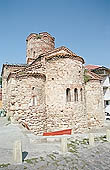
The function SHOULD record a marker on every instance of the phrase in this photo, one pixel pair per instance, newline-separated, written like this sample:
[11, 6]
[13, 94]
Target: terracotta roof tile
[13, 65]
[58, 51]
[94, 76]
[91, 67]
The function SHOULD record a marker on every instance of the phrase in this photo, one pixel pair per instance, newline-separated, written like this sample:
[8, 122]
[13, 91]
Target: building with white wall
[105, 73]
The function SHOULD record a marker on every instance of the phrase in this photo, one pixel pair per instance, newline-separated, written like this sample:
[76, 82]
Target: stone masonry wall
[41, 102]
[63, 73]
[27, 102]
[0, 97]
[6, 72]
[94, 103]
[0, 94]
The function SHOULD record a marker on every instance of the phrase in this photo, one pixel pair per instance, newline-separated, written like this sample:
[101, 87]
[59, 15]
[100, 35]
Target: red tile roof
[94, 76]
[91, 67]
[53, 53]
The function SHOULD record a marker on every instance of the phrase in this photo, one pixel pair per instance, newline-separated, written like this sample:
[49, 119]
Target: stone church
[52, 91]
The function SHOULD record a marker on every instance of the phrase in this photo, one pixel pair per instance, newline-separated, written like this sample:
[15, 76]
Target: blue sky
[81, 25]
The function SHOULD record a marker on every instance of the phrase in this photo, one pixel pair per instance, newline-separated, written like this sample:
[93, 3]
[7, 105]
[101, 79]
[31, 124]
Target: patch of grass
[8, 123]
[85, 141]
[35, 159]
[72, 147]
[76, 168]
[32, 160]
[97, 139]
[74, 144]
[29, 161]
[77, 142]
[48, 163]
[66, 159]
[4, 165]
[84, 164]
[53, 157]
[38, 36]
[97, 152]
[101, 139]
[9, 119]
[55, 163]
[41, 158]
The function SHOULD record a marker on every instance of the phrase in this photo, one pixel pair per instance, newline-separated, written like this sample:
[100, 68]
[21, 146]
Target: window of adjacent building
[109, 80]
[104, 90]
[81, 94]
[75, 94]
[68, 95]
[107, 102]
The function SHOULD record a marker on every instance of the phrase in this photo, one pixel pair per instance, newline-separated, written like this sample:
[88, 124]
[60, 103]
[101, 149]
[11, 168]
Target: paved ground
[42, 155]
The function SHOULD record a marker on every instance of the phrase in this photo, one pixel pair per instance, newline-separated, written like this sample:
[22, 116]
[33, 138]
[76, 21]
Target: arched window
[75, 94]
[81, 94]
[68, 95]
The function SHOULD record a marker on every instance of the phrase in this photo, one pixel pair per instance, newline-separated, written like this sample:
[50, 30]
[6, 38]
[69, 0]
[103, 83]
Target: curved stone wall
[63, 74]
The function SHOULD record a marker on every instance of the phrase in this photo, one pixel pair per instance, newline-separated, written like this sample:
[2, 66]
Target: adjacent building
[105, 74]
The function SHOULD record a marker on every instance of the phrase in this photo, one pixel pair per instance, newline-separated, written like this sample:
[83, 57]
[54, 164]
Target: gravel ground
[41, 155]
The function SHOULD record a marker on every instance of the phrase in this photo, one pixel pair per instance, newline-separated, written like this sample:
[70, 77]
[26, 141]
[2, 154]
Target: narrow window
[107, 102]
[33, 88]
[34, 101]
[81, 94]
[75, 94]
[34, 54]
[68, 95]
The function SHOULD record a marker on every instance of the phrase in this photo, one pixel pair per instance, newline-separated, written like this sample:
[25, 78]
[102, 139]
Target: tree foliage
[86, 77]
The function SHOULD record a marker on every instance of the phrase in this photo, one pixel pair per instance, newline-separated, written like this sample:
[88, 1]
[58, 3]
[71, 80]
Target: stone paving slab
[46, 155]
[97, 158]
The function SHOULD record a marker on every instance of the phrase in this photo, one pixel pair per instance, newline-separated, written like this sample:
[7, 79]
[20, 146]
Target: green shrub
[86, 77]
